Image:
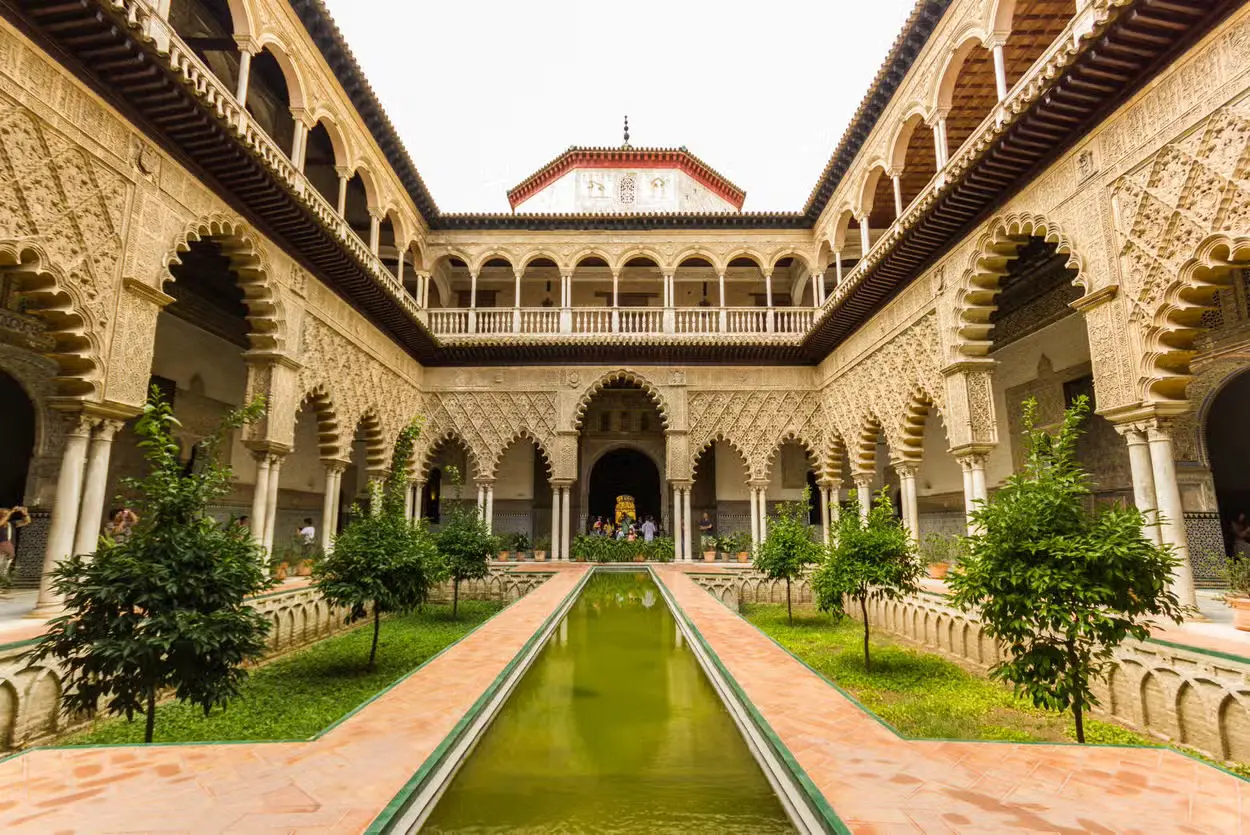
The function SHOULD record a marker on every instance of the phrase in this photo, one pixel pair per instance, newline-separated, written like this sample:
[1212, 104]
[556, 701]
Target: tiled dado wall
[1178, 694]
[30, 693]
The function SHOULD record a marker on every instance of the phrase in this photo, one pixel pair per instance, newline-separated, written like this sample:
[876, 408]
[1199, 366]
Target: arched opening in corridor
[17, 427]
[1228, 450]
[624, 472]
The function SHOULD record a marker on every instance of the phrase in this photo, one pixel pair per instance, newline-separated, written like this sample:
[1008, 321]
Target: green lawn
[921, 694]
[299, 695]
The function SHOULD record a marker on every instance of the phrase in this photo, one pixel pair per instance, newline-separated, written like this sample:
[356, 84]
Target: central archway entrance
[624, 471]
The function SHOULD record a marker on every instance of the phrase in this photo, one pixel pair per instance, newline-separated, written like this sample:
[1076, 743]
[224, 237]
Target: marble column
[565, 521]
[271, 502]
[837, 268]
[91, 514]
[1143, 478]
[418, 501]
[344, 175]
[863, 492]
[1000, 71]
[763, 505]
[897, 179]
[64, 511]
[865, 236]
[907, 488]
[555, 523]
[824, 514]
[260, 497]
[754, 494]
[245, 74]
[1171, 512]
[688, 522]
[408, 502]
[330, 503]
[490, 508]
[975, 487]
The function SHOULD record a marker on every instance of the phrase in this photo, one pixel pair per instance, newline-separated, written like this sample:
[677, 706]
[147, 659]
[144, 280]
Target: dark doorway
[625, 472]
[17, 427]
[433, 490]
[1228, 450]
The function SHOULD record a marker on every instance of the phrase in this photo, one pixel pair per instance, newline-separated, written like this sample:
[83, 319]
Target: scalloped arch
[792, 436]
[440, 441]
[57, 301]
[622, 375]
[977, 296]
[250, 265]
[329, 431]
[523, 434]
[710, 442]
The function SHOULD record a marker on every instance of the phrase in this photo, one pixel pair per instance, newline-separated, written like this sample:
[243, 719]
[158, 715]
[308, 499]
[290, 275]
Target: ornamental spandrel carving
[1195, 186]
[489, 421]
[55, 192]
[756, 422]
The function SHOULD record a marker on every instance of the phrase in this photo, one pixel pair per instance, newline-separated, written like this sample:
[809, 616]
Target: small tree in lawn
[788, 547]
[869, 559]
[1061, 583]
[164, 608]
[464, 544]
[381, 560]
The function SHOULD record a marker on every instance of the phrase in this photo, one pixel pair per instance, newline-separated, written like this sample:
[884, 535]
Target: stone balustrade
[1174, 693]
[770, 322]
[30, 694]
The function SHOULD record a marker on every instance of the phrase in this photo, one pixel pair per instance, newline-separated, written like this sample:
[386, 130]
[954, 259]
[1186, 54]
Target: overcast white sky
[485, 93]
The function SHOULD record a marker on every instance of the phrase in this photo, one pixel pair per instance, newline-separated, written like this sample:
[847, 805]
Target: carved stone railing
[30, 693]
[1174, 693]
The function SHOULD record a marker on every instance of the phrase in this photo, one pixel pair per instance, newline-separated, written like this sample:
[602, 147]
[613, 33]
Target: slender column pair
[829, 508]
[330, 502]
[78, 509]
[560, 512]
[863, 492]
[1156, 492]
[907, 489]
[975, 488]
[759, 512]
[265, 497]
[683, 529]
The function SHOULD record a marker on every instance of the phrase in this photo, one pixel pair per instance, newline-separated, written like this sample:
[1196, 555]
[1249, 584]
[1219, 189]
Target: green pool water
[613, 729]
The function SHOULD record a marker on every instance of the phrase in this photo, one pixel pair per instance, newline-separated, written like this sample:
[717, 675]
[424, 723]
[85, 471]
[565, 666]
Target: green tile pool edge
[357, 709]
[414, 784]
[904, 736]
[818, 802]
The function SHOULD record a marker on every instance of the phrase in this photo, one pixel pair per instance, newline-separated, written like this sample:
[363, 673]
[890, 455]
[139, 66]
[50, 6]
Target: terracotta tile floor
[337, 783]
[878, 782]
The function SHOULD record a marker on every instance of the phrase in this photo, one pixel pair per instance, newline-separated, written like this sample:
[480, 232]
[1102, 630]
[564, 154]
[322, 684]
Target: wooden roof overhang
[625, 157]
[1081, 87]
[617, 348]
[97, 41]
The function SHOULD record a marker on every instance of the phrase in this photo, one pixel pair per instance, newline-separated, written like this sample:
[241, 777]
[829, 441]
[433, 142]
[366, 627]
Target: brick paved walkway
[879, 783]
[337, 783]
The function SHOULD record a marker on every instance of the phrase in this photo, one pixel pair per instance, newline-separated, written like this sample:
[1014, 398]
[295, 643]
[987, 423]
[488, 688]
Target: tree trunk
[863, 608]
[1077, 710]
[150, 726]
[377, 624]
[789, 611]
[1078, 701]
[455, 599]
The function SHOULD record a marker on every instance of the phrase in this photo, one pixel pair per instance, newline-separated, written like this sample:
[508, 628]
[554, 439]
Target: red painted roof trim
[644, 158]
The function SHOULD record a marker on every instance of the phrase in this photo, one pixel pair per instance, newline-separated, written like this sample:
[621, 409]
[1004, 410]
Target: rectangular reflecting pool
[614, 728]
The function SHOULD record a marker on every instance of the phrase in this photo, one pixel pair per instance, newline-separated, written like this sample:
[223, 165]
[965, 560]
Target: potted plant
[310, 555]
[541, 546]
[280, 563]
[709, 548]
[1239, 593]
[740, 545]
[662, 549]
[940, 551]
[521, 545]
[642, 550]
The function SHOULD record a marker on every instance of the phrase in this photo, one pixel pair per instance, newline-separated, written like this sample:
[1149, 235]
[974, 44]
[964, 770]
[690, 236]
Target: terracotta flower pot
[639, 558]
[1241, 613]
[709, 556]
[503, 556]
[305, 568]
[281, 570]
[938, 570]
[540, 556]
[744, 556]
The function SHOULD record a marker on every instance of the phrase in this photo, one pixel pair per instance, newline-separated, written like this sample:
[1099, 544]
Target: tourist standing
[10, 520]
[121, 524]
[307, 536]
[648, 530]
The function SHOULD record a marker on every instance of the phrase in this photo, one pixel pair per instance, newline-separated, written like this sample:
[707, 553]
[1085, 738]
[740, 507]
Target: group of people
[628, 529]
[120, 523]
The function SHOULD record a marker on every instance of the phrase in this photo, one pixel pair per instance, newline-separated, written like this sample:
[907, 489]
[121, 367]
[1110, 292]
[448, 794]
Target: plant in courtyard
[165, 607]
[465, 544]
[788, 549]
[870, 558]
[381, 559]
[1061, 584]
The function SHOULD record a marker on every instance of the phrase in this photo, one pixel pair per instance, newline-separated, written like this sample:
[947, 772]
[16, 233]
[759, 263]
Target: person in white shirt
[648, 530]
[307, 535]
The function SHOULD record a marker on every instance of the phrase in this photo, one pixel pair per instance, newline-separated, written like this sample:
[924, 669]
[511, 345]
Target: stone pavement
[880, 783]
[337, 783]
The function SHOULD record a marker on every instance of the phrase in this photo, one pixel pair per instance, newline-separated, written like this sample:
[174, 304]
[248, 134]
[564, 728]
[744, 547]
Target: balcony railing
[639, 321]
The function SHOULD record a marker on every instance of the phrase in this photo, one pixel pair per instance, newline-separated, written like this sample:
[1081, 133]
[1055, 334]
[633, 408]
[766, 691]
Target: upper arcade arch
[291, 73]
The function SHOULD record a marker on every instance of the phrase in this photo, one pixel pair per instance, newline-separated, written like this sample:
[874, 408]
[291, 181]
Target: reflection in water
[614, 729]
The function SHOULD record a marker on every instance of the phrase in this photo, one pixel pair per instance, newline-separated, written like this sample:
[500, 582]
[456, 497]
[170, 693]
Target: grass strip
[297, 696]
[925, 696]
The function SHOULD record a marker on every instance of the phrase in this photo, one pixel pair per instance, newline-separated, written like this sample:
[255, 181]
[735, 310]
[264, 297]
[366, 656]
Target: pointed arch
[439, 442]
[977, 298]
[522, 435]
[58, 302]
[710, 443]
[250, 265]
[792, 436]
[622, 375]
[833, 457]
[911, 431]
[369, 429]
[864, 454]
